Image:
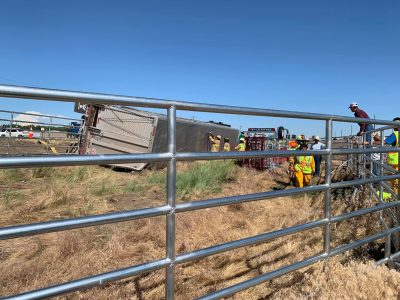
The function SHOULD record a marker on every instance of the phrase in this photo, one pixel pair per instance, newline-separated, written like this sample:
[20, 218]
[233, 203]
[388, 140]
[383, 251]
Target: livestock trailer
[120, 130]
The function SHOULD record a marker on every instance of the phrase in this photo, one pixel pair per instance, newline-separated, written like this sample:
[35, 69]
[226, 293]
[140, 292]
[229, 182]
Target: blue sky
[315, 56]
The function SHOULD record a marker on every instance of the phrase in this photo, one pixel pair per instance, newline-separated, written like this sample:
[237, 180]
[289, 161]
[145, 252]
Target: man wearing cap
[359, 113]
[317, 145]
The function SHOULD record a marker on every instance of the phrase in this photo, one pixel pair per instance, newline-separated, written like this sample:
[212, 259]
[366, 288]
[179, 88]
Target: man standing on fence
[359, 113]
[393, 157]
[304, 167]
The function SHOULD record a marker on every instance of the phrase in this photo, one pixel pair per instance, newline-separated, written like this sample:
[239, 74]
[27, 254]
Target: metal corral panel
[119, 130]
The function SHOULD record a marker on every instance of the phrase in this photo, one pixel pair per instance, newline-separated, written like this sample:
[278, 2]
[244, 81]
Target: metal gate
[170, 209]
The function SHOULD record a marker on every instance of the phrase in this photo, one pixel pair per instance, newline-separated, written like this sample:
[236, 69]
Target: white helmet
[315, 137]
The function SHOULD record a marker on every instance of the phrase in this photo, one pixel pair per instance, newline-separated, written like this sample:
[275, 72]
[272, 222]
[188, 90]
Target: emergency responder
[215, 142]
[304, 167]
[393, 157]
[227, 146]
[291, 146]
[241, 146]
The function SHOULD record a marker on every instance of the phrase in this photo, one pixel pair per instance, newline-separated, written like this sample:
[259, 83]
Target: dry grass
[349, 280]
[48, 194]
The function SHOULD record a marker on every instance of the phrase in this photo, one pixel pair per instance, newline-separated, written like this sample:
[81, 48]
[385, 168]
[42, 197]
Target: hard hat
[300, 137]
[353, 104]
[241, 139]
[226, 139]
[218, 137]
[397, 119]
[315, 137]
[292, 144]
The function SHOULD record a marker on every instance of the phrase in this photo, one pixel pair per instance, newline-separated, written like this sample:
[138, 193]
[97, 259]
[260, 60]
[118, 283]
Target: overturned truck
[121, 130]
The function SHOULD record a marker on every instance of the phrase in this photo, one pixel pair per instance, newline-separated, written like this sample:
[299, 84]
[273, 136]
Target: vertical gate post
[388, 242]
[171, 195]
[328, 167]
[9, 134]
[397, 234]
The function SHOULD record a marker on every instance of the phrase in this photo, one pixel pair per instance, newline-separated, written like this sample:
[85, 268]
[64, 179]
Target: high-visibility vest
[227, 147]
[241, 147]
[393, 157]
[303, 164]
[385, 195]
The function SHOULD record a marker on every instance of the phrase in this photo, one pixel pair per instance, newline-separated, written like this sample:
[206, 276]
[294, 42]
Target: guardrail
[170, 209]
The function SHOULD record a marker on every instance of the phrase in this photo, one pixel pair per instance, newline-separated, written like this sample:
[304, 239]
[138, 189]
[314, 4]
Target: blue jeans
[368, 136]
[317, 160]
[376, 169]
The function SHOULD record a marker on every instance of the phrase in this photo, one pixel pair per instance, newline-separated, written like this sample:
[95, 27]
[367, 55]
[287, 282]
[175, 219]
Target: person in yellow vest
[227, 146]
[304, 167]
[241, 146]
[393, 157]
[215, 142]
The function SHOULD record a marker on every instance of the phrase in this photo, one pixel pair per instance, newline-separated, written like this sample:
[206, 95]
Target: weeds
[133, 187]
[79, 174]
[205, 178]
[106, 187]
[202, 178]
[157, 178]
[14, 175]
[44, 172]
[10, 198]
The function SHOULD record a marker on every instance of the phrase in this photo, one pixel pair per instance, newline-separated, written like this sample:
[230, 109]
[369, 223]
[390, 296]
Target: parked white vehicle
[3, 132]
[13, 133]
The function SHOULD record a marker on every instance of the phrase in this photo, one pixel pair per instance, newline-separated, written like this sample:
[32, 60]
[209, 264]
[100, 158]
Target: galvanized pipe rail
[170, 209]
[61, 138]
